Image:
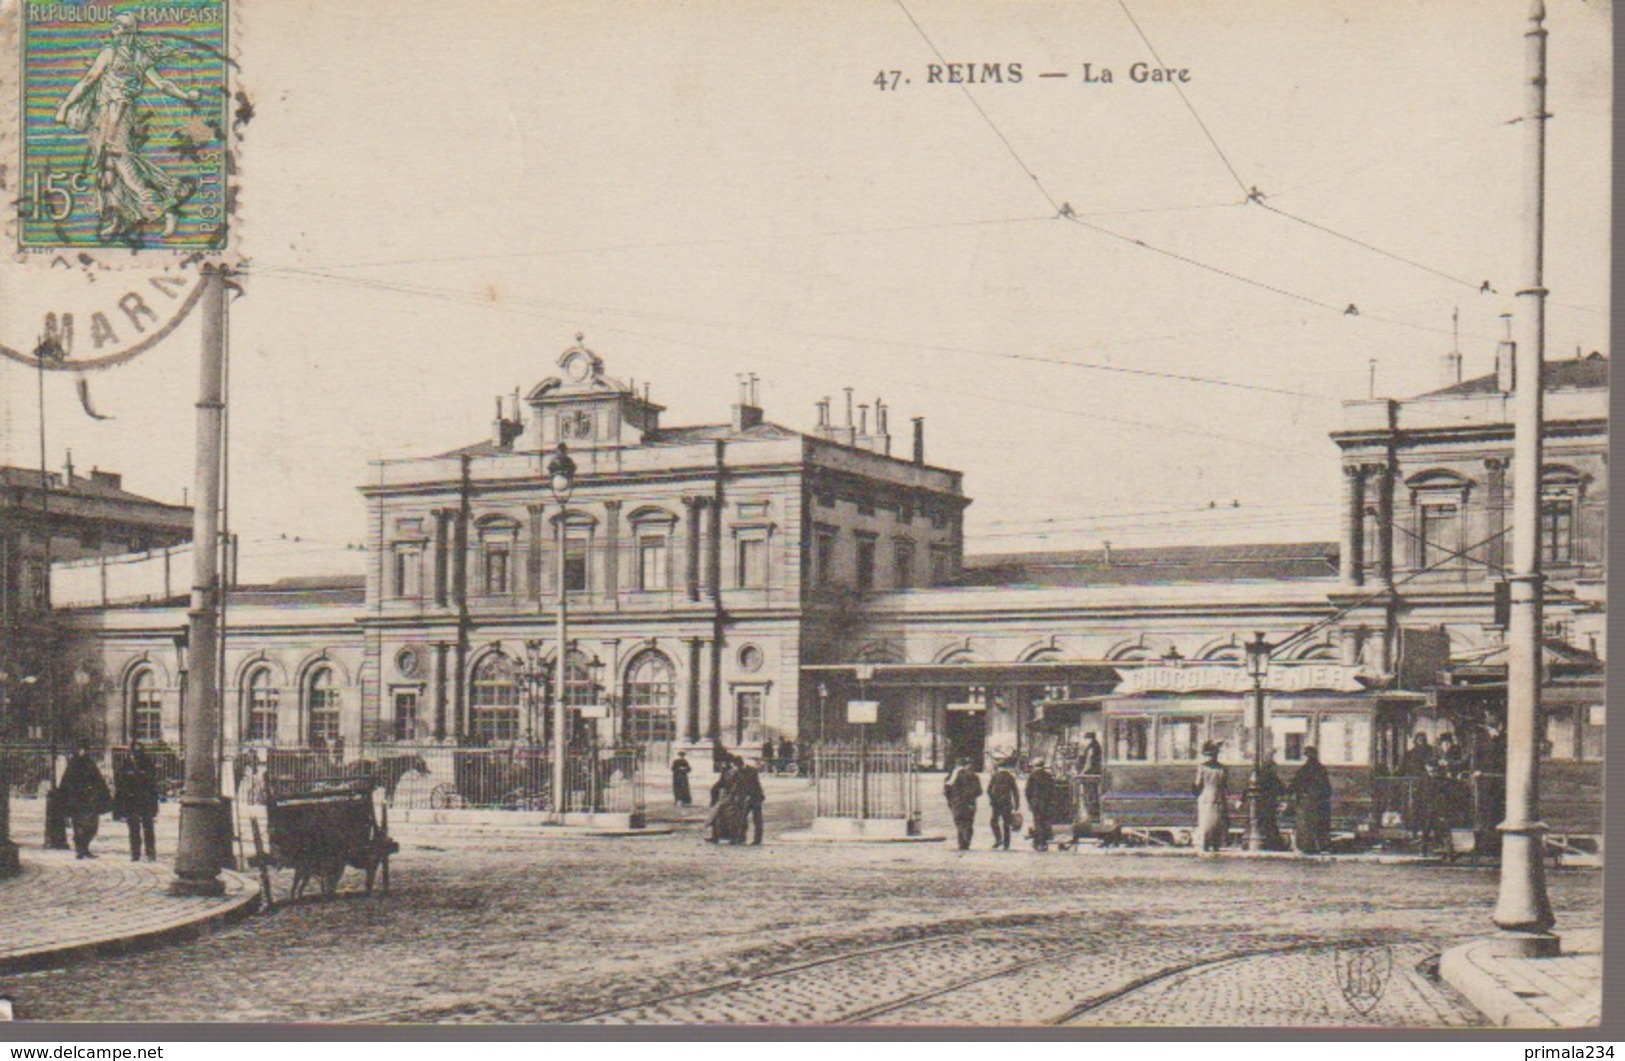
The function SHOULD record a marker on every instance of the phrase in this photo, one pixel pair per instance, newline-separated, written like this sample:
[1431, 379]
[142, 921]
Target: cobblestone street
[500, 928]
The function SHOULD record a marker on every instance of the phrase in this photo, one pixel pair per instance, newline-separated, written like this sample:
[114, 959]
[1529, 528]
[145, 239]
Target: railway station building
[742, 580]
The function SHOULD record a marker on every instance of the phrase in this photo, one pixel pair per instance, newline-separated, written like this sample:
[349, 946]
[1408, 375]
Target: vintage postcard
[1079, 515]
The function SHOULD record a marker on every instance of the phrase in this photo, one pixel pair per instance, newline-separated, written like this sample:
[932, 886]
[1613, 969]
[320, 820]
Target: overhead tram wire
[1064, 212]
[1255, 197]
[473, 300]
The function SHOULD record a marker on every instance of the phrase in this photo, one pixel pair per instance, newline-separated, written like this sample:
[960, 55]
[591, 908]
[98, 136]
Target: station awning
[1095, 674]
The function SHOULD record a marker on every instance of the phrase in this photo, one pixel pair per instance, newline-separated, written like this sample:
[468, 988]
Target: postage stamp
[124, 128]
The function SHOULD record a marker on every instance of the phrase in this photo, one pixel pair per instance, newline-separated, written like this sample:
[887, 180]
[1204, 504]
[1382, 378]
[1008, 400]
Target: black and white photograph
[884, 514]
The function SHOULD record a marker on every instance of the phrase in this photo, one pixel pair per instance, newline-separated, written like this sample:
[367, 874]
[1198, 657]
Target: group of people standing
[85, 797]
[1047, 801]
[1442, 779]
[1310, 793]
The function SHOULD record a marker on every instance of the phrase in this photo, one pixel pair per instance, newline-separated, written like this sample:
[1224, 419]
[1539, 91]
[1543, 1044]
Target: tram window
[1289, 734]
[1130, 739]
[1227, 731]
[1560, 736]
[1179, 739]
[1591, 732]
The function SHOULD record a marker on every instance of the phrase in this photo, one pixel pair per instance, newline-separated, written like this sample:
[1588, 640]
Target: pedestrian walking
[1212, 791]
[1004, 800]
[682, 795]
[787, 756]
[722, 825]
[1311, 790]
[750, 797]
[84, 799]
[135, 800]
[1042, 798]
[962, 789]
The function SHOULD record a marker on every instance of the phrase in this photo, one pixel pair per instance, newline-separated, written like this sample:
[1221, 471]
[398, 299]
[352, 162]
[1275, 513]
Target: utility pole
[1522, 911]
[205, 841]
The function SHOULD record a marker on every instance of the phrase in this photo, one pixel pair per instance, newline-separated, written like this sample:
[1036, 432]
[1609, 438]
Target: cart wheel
[442, 797]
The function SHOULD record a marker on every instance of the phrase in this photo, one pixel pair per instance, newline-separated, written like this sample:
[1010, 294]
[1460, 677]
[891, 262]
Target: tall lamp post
[1258, 668]
[561, 479]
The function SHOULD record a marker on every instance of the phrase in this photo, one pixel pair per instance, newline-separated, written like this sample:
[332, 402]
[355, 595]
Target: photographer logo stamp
[1363, 972]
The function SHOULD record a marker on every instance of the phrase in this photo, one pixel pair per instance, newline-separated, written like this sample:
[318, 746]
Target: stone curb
[419, 830]
[1469, 969]
[807, 836]
[230, 911]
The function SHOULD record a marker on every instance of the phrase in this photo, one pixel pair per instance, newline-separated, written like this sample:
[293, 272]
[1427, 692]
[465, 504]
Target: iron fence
[878, 781]
[27, 766]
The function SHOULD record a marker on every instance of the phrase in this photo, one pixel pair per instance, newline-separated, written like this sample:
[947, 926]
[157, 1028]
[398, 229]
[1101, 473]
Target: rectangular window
[654, 572]
[1228, 732]
[1440, 529]
[1129, 740]
[406, 715]
[1591, 731]
[1561, 736]
[824, 557]
[497, 570]
[575, 564]
[1289, 735]
[866, 507]
[408, 571]
[1557, 530]
[941, 566]
[905, 513]
[866, 564]
[751, 562]
[1179, 739]
[905, 564]
[146, 716]
[748, 713]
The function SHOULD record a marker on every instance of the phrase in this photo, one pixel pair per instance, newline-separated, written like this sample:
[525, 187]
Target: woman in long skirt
[1212, 790]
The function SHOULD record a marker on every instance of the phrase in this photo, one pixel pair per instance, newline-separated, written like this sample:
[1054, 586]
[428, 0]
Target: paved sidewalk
[1560, 992]
[61, 908]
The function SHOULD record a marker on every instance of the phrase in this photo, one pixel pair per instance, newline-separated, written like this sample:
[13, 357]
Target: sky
[436, 200]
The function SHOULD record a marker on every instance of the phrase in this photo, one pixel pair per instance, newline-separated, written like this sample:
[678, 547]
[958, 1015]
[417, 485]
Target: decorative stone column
[1495, 516]
[1384, 474]
[1351, 557]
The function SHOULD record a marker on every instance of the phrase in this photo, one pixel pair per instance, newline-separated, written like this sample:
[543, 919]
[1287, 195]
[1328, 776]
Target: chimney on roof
[504, 430]
[882, 428]
[70, 468]
[1506, 376]
[113, 480]
[919, 439]
[1452, 361]
[1106, 552]
[746, 414]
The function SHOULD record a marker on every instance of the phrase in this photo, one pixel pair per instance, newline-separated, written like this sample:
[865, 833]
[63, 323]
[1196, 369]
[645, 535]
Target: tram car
[1154, 726]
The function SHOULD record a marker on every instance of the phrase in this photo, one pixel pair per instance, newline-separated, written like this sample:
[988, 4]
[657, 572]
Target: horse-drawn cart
[318, 827]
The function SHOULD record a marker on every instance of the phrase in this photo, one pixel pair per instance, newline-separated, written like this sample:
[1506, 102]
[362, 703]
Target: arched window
[494, 700]
[651, 693]
[145, 709]
[579, 688]
[262, 705]
[322, 708]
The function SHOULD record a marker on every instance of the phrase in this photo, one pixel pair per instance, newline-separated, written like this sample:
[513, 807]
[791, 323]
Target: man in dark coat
[135, 800]
[1092, 769]
[963, 788]
[722, 825]
[84, 799]
[1311, 792]
[748, 792]
[787, 756]
[1003, 799]
[681, 794]
[1041, 800]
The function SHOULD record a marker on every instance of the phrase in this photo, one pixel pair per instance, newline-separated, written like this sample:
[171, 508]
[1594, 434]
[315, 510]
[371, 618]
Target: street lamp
[561, 479]
[1258, 666]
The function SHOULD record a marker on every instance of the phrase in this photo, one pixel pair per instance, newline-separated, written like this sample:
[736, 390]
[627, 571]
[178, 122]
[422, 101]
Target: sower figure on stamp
[130, 189]
[1003, 799]
[963, 788]
[135, 799]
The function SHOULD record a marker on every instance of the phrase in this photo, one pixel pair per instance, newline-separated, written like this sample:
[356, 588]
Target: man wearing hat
[1042, 798]
[963, 788]
[1003, 799]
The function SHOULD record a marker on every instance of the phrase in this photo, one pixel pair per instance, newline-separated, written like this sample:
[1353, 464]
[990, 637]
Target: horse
[387, 771]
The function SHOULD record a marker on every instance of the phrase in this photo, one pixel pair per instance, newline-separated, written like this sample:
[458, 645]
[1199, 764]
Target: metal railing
[874, 782]
[27, 766]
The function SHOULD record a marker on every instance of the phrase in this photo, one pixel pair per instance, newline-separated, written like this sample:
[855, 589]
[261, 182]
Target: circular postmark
[82, 317]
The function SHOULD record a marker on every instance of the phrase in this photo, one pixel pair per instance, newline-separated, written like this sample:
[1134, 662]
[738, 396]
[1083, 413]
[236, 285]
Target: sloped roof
[1166, 564]
[78, 486]
[1590, 373]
